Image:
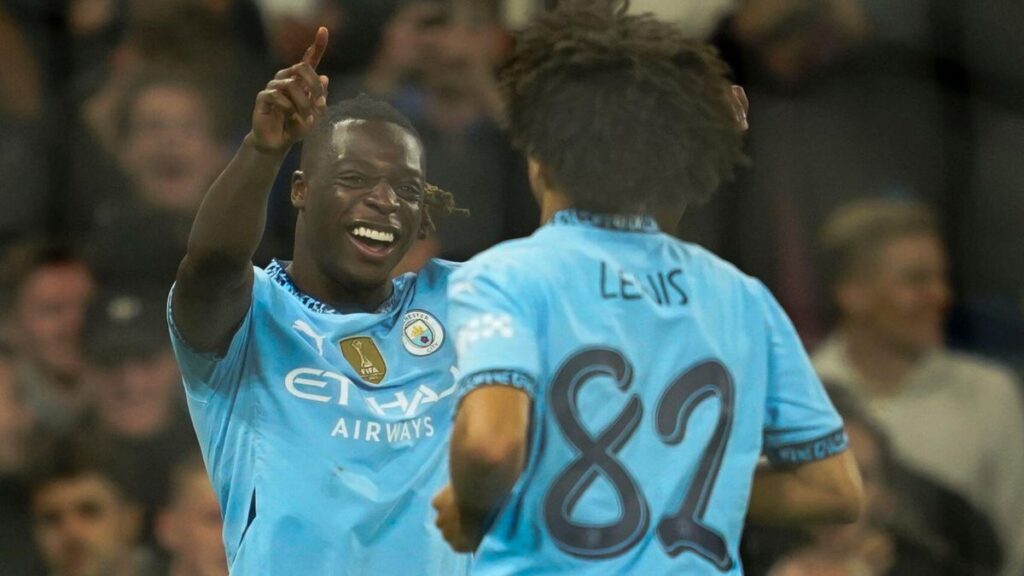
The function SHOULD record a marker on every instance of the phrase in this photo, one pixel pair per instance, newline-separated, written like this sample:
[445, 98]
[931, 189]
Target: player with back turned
[619, 387]
[321, 389]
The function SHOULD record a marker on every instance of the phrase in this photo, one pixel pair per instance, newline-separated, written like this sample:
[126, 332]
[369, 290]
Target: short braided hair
[624, 111]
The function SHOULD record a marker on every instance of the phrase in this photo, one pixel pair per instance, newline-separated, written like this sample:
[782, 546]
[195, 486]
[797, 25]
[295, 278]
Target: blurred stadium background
[115, 116]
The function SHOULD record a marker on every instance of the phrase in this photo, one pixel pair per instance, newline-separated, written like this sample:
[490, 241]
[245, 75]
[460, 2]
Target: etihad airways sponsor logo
[324, 386]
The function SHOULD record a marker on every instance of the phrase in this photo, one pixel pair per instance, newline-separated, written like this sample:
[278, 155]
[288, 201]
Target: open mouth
[374, 241]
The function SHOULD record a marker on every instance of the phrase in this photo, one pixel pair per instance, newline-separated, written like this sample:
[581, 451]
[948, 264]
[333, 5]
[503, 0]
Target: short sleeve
[489, 311]
[801, 425]
[207, 373]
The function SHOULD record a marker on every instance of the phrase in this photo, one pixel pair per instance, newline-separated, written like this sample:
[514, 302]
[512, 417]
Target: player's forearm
[482, 476]
[232, 217]
[823, 492]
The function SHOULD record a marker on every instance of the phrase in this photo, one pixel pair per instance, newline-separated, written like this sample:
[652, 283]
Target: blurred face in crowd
[83, 527]
[458, 58]
[408, 34]
[137, 396]
[170, 150]
[902, 296]
[16, 420]
[190, 529]
[48, 317]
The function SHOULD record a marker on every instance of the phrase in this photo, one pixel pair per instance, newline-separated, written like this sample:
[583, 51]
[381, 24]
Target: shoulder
[720, 275]
[437, 270]
[713, 264]
[508, 259]
[981, 375]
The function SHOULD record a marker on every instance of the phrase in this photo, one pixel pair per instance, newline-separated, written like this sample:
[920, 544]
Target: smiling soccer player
[321, 389]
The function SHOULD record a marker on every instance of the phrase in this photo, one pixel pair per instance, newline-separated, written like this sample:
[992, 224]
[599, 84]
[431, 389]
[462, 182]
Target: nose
[383, 198]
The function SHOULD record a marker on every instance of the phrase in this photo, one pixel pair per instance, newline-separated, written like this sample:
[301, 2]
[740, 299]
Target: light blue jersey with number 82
[659, 375]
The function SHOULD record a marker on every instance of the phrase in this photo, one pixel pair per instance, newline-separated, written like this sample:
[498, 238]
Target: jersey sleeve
[495, 336]
[801, 425]
[205, 374]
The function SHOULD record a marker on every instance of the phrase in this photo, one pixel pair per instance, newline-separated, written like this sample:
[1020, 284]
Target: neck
[551, 203]
[884, 367]
[308, 277]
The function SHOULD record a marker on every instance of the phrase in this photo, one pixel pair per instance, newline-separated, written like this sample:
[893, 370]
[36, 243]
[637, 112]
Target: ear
[299, 189]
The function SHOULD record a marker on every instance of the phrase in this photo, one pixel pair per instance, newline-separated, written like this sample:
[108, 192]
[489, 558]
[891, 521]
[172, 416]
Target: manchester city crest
[422, 334]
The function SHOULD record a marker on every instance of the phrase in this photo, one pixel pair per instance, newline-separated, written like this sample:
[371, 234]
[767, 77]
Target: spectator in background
[955, 419]
[139, 411]
[169, 140]
[45, 288]
[457, 109]
[846, 106]
[84, 524]
[16, 444]
[189, 526]
[197, 45]
[24, 165]
[170, 148]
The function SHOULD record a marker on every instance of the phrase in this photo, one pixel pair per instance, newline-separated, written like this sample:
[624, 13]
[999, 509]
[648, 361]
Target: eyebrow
[357, 164]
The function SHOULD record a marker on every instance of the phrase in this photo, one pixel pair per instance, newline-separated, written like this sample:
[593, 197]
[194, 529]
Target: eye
[409, 191]
[353, 180]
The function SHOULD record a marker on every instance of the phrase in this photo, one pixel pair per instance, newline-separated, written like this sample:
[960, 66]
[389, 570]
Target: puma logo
[304, 328]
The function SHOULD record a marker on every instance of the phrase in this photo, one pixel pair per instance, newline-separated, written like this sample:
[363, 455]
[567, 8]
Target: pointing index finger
[316, 50]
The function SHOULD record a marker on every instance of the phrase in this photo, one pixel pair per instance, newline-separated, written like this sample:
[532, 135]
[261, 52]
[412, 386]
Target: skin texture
[170, 150]
[84, 528]
[837, 549]
[190, 528]
[902, 296]
[48, 316]
[372, 175]
[137, 397]
[16, 422]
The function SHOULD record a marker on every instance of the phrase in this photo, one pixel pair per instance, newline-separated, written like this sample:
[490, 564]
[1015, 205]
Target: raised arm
[213, 287]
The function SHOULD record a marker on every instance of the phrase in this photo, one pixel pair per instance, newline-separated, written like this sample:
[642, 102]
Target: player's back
[650, 368]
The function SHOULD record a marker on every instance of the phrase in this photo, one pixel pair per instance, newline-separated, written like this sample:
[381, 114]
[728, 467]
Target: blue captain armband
[810, 451]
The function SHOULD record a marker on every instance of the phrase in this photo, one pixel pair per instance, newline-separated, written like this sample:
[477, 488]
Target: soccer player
[320, 389]
[618, 387]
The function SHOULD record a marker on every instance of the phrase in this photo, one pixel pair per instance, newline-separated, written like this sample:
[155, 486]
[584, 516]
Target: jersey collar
[276, 272]
[616, 222]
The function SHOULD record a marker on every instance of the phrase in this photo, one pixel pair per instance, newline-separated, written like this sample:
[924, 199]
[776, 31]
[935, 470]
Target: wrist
[251, 142]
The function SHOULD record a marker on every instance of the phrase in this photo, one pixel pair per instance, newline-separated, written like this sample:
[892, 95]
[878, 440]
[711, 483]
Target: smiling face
[360, 201]
[171, 152]
[903, 295]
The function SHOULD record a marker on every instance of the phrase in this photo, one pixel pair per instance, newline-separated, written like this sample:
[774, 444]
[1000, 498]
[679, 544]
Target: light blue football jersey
[325, 434]
[659, 376]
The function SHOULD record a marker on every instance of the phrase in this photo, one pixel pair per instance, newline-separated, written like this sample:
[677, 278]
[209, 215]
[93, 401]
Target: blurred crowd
[882, 205]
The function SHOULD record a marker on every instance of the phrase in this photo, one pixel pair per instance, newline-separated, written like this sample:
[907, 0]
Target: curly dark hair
[436, 202]
[623, 111]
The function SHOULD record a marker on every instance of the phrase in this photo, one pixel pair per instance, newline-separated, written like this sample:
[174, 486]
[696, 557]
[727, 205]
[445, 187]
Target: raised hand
[292, 103]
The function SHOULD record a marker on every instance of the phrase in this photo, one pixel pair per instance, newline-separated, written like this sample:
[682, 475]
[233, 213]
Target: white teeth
[377, 235]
